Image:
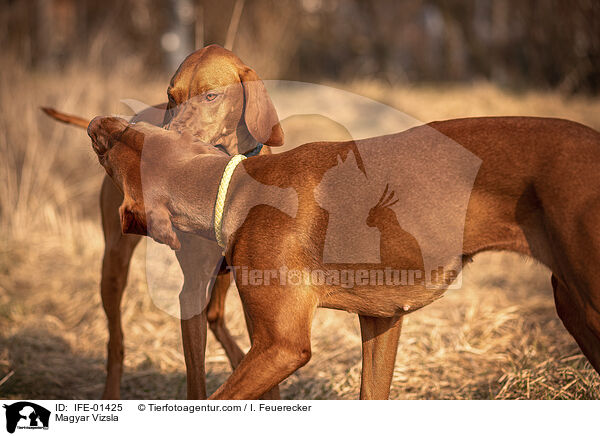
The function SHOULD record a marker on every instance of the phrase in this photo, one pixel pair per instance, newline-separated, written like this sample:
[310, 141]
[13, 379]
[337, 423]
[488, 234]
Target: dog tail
[66, 118]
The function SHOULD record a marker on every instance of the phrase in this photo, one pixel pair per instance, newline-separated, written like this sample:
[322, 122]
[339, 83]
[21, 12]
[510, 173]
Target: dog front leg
[580, 318]
[216, 322]
[280, 321]
[193, 311]
[272, 394]
[193, 334]
[379, 347]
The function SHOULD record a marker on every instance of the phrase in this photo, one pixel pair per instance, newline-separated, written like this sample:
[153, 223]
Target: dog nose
[98, 146]
[92, 131]
[105, 132]
[94, 126]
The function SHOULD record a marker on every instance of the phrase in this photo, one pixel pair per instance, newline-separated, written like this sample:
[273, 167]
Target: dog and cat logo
[26, 415]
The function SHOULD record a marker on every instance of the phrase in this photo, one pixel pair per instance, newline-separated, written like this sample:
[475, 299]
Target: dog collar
[222, 195]
[254, 151]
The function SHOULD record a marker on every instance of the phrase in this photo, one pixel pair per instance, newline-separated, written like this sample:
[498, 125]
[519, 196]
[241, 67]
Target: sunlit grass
[497, 337]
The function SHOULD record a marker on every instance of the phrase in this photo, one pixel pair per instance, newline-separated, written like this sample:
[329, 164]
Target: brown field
[496, 338]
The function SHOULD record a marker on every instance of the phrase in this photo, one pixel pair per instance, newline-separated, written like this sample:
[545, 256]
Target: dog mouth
[101, 152]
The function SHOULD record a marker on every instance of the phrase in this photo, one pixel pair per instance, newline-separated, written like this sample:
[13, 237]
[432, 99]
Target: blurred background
[497, 337]
[549, 44]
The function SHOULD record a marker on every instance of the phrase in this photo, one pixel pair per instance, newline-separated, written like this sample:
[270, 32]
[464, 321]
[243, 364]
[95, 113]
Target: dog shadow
[304, 384]
[46, 366]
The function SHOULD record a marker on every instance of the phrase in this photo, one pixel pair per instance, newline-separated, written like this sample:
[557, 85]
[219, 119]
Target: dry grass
[497, 337]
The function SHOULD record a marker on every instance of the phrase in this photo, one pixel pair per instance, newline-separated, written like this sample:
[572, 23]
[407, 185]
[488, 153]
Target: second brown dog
[536, 193]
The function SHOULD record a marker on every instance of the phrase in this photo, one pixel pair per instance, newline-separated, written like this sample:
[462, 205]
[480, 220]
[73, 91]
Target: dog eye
[211, 96]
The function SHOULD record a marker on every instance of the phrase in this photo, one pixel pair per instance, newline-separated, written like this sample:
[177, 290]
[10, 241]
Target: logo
[393, 210]
[26, 415]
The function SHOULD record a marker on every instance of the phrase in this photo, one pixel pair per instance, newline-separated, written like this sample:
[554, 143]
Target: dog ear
[260, 115]
[154, 222]
[160, 227]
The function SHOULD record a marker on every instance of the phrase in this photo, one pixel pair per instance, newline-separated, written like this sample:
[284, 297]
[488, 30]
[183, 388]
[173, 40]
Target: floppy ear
[259, 113]
[160, 228]
[155, 223]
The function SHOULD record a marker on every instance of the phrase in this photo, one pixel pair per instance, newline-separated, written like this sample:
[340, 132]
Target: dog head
[136, 153]
[221, 101]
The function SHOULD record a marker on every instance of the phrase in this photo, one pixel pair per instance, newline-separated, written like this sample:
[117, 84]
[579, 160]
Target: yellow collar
[222, 195]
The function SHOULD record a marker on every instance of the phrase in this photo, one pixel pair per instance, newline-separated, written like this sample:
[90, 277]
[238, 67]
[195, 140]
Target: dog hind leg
[216, 319]
[118, 250]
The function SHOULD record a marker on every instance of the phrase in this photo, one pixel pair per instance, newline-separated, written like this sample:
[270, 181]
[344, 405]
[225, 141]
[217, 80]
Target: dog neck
[193, 191]
[193, 209]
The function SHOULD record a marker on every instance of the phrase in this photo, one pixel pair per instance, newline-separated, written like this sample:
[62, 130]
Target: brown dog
[220, 100]
[535, 193]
